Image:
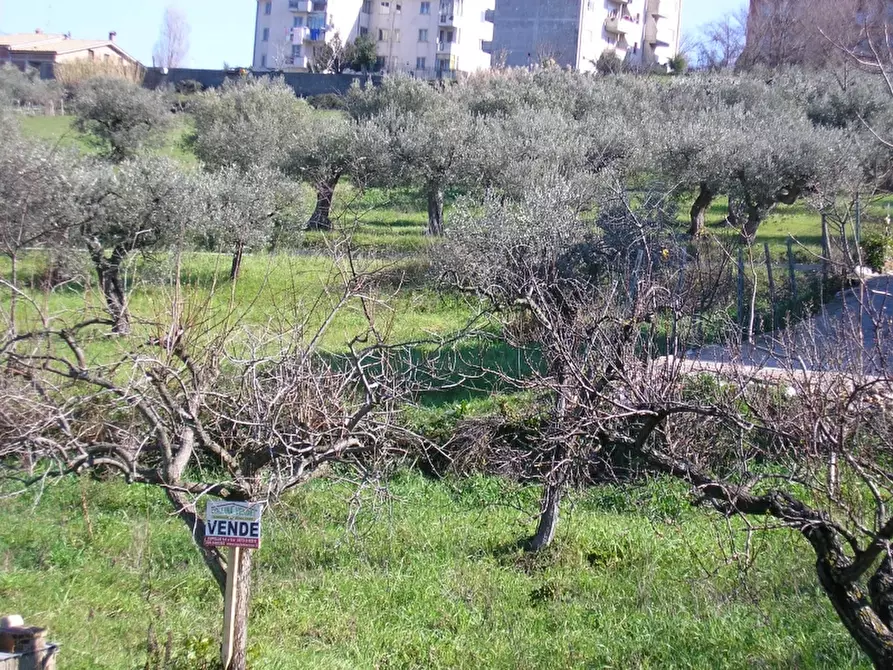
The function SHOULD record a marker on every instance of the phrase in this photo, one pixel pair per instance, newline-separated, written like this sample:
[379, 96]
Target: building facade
[429, 39]
[42, 51]
[575, 33]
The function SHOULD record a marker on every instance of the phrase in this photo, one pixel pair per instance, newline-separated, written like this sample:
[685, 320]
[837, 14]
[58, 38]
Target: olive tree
[778, 158]
[26, 87]
[329, 149]
[144, 204]
[37, 205]
[563, 289]
[123, 116]
[246, 124]
[240, 211]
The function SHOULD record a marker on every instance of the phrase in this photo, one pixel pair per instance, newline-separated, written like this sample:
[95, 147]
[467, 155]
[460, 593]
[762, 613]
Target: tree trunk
[548, 522]
[750, 227]
[243, 602]
[14, 278]
[553, 487]
[435, 210]
[237, 261]
[858, 615]
[699, 209]
[108, 272]
[325, 192]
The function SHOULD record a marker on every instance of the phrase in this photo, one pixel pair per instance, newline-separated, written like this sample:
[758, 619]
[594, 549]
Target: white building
[430, 39]
[575, 33]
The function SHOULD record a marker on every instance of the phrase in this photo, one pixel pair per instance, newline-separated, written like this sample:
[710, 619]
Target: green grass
[427, 577]
[60, 129]
[279, 291]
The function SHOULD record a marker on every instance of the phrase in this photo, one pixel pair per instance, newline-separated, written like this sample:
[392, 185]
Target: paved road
[854, 331]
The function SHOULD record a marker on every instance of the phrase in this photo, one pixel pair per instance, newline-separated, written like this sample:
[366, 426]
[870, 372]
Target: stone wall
[304, 83]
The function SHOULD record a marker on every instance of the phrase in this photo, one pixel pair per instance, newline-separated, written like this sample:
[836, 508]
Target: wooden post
[229, 606]
[634, 279]
[771, 281]
[741, 288]
[858, 222]
[791, 273]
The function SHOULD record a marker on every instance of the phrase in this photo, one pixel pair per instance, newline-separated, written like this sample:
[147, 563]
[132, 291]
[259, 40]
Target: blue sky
[222, 30]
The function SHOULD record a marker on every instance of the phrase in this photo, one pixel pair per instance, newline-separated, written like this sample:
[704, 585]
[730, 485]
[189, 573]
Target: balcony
[661, 8]
[316, 35]
[298, 61]
[447, 20]
[300, 34]
[487, 46]
[621, 2]
[664, 35]
[490, 16]
[622, 25]
[301, 6]
[447, 48]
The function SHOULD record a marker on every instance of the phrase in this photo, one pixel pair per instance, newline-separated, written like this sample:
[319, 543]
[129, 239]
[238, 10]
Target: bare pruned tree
[172, 47]
[720, 43]
[794, 433]
[200, 404]
[797, 32]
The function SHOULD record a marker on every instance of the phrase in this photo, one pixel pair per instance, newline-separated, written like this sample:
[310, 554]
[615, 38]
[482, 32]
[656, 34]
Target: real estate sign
[233, 524]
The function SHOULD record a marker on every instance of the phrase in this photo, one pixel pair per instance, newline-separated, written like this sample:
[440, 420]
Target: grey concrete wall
[525, 30]
[304, 83]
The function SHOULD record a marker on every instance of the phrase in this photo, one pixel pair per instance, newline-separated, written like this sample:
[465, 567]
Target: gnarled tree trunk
[108, 272]
[435, 209]
[325, 192]
[553, 487]
[751, 225]
[699, 209]
[867, 619]
[236, 266]
[550, 505]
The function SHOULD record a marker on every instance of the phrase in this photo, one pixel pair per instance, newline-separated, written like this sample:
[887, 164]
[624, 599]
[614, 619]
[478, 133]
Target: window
[298, 22]
[263, 61]
[266, 35]
[268, 8]
[420, 63]
[398, 8]
[423, 34]
[383, 35]
[379, 63]
[364, 30]
[425, 8]
[397, 35]
[385, 8]
[367, 7]
[296, 51]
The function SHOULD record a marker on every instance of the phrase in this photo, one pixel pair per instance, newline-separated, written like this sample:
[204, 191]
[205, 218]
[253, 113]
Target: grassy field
[414, 573]
[426, 576]
[61, 130]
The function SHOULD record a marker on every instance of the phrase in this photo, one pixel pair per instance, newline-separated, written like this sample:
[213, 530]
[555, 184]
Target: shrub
[331, 101]
[121, 115]
[26, 88]
[609, 63]
[188, 87]
[877, 251]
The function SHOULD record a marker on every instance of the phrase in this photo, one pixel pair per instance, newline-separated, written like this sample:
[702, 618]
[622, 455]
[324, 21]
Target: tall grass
[416, 573]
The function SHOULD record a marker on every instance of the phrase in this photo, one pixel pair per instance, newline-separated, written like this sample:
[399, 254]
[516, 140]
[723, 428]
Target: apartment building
[575, 33]
[430, 39]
